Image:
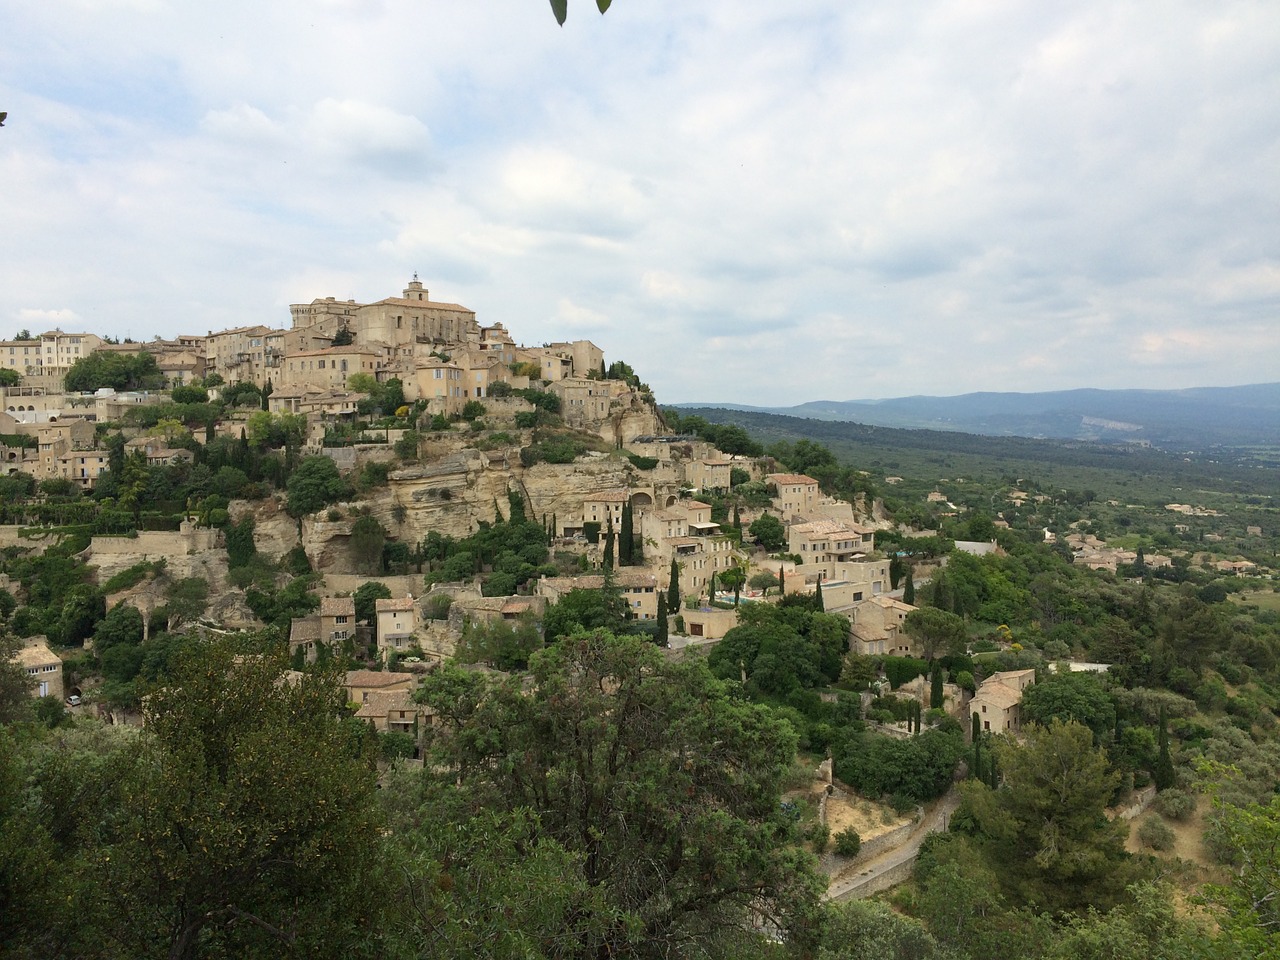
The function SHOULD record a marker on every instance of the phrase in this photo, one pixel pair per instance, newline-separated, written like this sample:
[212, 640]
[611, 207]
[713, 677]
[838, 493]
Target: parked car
[73, 700]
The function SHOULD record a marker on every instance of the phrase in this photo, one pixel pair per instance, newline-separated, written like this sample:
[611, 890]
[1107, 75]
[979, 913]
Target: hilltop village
[460, 426]
[384, 634]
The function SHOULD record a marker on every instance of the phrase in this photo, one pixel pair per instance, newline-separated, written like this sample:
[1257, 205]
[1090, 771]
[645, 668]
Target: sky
[749, 202]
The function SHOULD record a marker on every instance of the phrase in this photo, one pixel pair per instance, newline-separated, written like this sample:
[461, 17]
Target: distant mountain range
[1184, 420]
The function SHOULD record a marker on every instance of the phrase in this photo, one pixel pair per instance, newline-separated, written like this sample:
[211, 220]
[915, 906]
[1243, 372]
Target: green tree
[734, 578]
[1045, 831]
[366, 597]
[249, 822]
[581, 609]
[10, 378]
[15, 685]
[662, 787]
[500, 644]
[858, 929]
[1068, 695]
[185, 600]
[626, 537]
[937, 631]
[673, 586]
[313, 484]
[909, 589]
[368, 537]
[240, 546]
[769, 532]
[663, 634]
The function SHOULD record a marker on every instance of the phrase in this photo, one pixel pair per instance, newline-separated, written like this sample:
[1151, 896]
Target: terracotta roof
[382, 702]
[791, 478]
[517, 606]
[304, 629]
[376, 678]
[337, 607]
[394, 605]
[695, 505]
[890, 603]
[35, 655]
[608, 496]
[825, 528]
[999, 694]
[426, 304]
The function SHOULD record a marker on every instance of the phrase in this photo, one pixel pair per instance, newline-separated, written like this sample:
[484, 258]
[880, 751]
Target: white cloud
[745, 202]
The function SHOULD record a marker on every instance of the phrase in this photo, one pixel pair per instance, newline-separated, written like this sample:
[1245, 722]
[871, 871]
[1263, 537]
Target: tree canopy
[661, 787]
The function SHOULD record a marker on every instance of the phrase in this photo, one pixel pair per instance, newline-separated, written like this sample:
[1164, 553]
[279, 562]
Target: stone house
[797, 494]
[394, 711]
[304, 635]
[411, 318]
[397, 621]
[877, 627]
[43, 666]
[337, 620]
[327, 369]
[998, 701]
[360, 685]
[638, 587]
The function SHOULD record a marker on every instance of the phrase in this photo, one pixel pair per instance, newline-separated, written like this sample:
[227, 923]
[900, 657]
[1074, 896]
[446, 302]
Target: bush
[1155, 834]
[848, 843]
[1175, 804]
[819, 834]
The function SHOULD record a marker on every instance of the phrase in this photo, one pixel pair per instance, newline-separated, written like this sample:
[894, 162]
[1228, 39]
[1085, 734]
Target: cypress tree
[661, 636]
[1163, 775]
[935, 688]
[909, 590]
[673, 587]
[608, 548]
[737, 518]
[626, 539]
[976, 736]
[821, 607]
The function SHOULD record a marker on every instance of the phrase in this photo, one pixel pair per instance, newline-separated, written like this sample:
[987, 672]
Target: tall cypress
[976, 736]
[909, 590]
[935, 688]
[608, 548]
[626, 539]
[673, 587]
[1163, 775]
[662, 634]
[821, 606]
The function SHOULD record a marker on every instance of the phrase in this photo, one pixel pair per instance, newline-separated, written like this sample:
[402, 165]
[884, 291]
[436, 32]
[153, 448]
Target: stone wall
[11, 536]
[1138, 803]
[890, 877]
[157, 543]
[886, 841]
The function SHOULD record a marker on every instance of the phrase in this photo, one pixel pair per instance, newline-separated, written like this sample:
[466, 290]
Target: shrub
[848, 843]
[820, 836]
[437, 608]
[1155, 834]
[1175, 804]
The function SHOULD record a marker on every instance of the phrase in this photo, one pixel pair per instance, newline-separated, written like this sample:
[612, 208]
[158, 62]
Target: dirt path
[860, 878]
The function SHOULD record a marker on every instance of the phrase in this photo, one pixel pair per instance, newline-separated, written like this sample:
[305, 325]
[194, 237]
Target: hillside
[1193, 419]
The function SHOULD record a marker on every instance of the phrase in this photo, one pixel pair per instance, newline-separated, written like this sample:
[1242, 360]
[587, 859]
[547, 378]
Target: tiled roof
[304, 629]
[337, 607]
[791, 478]
[376, 678]
[394, 605]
